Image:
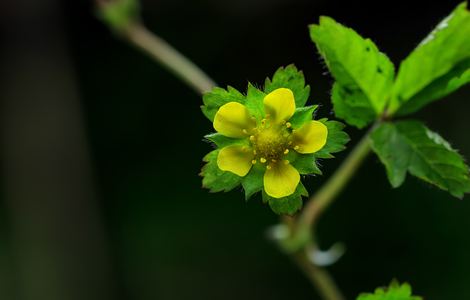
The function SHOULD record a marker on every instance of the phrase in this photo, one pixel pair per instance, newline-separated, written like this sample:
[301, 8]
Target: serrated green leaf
[336, 140]
[254, 101]
[217, 97]
[253, 182]
[437, 67]
[302, 115]
[287, 205]
[306, 164]
[394, 292]
[364, 75]
[291, 78]
[215, 179]
[222, 141]
[352, 106]
[408, 146]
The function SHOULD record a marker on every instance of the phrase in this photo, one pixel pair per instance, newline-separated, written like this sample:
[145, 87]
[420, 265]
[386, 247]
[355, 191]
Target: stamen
[286, 162]
[253, 161]
[296, 147]
[268, 167]
[252, 138]
[273, 160]
[245, 131]
[286, 151]
[288, 125]
[262, 160]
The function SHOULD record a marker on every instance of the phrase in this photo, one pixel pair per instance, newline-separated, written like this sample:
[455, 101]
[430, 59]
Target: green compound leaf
[437, 67]
[253, 182]
[217, 97]
[291, 78]
[364, 75]
[395, 291]
[302, 115]
[287, 205]
[254, 102]
[408, 146]
[336, 140]
[215, 179]
[118, 14]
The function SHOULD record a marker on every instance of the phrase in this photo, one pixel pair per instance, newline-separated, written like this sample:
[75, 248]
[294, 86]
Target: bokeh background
[101, 150]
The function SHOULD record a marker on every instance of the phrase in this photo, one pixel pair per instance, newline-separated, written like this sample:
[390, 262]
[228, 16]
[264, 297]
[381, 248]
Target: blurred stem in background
[123, 18]
[57, 239]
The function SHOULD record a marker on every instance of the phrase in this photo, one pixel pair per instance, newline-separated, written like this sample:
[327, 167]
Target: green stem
[168, 57]
[325, 196]
[319, 277]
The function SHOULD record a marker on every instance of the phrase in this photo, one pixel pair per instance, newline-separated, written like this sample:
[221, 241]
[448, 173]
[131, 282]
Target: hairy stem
[319, 277]
[325, 196]
[168, 57]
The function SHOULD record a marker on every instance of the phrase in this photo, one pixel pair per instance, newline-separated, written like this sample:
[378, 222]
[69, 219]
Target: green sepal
[305, 164]
[119, 14]
[336, 140]
[253, 182]
[395, 291]
[222, 141]
[302, 115]
[291, 78]
[217, 97]
[438, 66]
[364, 75]
[287, 205]
[214, 178]
[254, 102]
[409, 147]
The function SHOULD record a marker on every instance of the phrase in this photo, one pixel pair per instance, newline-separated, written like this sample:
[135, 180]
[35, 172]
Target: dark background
[101, 150]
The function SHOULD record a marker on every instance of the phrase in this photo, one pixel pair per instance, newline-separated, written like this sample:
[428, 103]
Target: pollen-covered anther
[268, 167]
[253, 161]
[245, 131]
[274, 160]
[252, 138]
[262, 160]
[296, 147]
[286, 162]
[288, 125]
[286, 151]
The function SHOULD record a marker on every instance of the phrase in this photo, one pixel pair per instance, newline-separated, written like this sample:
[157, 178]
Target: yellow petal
[281, 180]
[311, 137]
[233, 120]
[279, 105]
[235, 159]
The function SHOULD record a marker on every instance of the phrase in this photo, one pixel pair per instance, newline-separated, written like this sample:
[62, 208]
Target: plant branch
[168, 57]
[319, 277]
[325, 196]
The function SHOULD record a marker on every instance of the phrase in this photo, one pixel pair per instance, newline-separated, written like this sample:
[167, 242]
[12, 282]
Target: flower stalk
[164, 54]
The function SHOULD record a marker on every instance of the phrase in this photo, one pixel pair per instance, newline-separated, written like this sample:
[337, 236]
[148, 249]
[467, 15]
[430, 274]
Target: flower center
[271, 142]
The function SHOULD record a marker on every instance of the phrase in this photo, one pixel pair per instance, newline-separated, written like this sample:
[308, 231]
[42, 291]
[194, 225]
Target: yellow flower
[268, 141]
